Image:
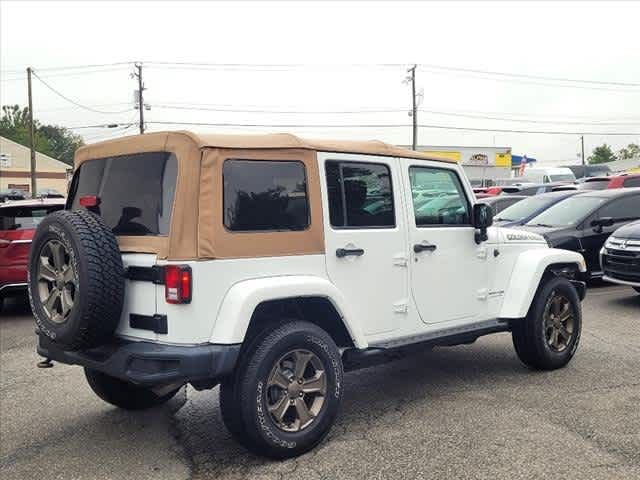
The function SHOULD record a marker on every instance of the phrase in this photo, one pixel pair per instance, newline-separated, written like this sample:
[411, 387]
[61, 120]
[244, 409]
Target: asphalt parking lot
[471, 412]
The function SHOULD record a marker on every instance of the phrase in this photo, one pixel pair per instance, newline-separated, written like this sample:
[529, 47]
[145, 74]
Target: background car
[620, 257]
[499, 203]
[18, 222]
[583, 222]
[615, 181]
[12, 194]
[586, 171]
[548, 175]
[523, 211]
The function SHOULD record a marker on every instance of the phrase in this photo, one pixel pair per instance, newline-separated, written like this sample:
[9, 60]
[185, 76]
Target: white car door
[365, 237]
[448, 270]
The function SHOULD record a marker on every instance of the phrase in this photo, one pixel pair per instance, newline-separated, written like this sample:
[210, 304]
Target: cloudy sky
[309, 67]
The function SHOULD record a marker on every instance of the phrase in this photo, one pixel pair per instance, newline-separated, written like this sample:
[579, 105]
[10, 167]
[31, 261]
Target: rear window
[136, 191]
[265, 195]
[25, 218]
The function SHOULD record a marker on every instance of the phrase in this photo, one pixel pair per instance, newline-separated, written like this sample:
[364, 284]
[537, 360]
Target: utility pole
[414, 109]
[140, 97]
[32, 143]
[582, 142]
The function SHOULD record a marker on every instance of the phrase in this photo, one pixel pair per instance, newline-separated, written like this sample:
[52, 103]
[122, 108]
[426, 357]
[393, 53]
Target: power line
[349, 112]
[533, 77]
[76, 103]
[497, 130]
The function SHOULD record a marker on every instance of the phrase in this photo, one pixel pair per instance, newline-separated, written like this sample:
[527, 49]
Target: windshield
[135, 191]
[523, 209]
[568, 212]
[562, 177]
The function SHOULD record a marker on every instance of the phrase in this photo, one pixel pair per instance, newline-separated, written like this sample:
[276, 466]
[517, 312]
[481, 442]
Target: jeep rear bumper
[150, 364]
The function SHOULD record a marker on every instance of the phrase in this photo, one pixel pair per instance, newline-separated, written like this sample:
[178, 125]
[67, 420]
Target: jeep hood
[517, 236]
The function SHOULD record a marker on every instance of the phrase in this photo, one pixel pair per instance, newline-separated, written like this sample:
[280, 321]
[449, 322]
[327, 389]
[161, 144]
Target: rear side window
[265, 195]
[360, 195]
[624, 208]
[25, 218]
[136, 191]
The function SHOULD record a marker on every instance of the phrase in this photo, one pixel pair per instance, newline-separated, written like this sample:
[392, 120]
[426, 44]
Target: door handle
[421, 247]
[344, 252]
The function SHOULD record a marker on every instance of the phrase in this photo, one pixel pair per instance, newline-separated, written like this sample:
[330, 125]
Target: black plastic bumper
[147, 363]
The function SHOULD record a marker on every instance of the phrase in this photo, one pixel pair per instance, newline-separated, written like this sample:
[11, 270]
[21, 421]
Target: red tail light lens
[177, 283]
[89, 201]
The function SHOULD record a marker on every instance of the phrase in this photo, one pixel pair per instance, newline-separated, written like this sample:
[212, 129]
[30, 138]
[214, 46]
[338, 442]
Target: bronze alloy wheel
[296, 390]
[559, 321]
[56, 281]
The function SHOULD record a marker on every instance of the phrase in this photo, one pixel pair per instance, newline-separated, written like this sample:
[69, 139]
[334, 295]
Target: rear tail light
[177, 283]
[89, 201]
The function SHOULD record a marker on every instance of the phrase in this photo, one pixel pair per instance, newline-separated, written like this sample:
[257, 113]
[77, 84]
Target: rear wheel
[549, 335]
[123, 394]
[286, 393]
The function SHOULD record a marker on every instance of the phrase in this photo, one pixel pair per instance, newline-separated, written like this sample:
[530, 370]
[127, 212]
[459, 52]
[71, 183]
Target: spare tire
[76, 279]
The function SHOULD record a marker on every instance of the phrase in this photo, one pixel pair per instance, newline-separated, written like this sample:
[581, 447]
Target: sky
[288, 65]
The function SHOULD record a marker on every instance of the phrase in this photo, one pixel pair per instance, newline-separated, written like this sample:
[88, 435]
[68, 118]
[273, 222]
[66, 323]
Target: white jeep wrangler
[269, 264]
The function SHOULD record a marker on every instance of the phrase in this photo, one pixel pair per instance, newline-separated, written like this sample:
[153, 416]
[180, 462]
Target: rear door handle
[424, 246]
[344, 252]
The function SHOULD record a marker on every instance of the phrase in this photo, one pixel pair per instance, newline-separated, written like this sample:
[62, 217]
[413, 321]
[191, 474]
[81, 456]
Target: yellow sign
[503, 160]
[448, 155]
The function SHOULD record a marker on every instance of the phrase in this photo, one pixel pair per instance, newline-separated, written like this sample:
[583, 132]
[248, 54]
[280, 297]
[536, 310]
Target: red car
[18, 222]
[617, 181]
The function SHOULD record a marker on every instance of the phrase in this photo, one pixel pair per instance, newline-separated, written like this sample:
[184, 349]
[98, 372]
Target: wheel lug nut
[301, 394]
[300, 381]
[291, 401]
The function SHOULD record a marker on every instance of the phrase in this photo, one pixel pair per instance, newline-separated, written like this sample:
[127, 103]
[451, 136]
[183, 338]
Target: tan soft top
[250, 142]
[197, 230]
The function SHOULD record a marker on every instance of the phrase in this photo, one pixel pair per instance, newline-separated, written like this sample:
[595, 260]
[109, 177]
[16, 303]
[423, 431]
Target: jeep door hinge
[400, 260]
[401, 307]
[482, 294]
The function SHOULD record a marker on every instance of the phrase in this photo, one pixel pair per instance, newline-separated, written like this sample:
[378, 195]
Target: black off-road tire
[98, 272]
[528, 334]
[123, 394]
[243, 398]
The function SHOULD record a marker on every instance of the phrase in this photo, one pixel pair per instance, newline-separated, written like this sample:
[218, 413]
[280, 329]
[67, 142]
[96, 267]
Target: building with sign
[483, 165]
[15, 169]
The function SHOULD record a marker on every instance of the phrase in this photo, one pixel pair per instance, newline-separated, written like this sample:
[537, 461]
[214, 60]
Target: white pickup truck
[269, 264]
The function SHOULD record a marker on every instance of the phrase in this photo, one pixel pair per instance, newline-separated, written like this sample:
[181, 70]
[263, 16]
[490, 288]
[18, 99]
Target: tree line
[53, 140]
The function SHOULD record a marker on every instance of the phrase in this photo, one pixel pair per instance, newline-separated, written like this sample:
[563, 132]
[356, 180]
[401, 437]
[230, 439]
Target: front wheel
[286, 393]
[548, 337]
[123, 394]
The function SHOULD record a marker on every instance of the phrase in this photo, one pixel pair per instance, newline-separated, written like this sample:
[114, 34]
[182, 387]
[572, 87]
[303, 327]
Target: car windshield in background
[567, 212]
[523, 209]
[562, 178]
[25, 218]
[599, 184]
[135, 191]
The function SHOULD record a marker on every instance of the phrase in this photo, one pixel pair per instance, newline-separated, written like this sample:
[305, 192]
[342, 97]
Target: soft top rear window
[136, 191]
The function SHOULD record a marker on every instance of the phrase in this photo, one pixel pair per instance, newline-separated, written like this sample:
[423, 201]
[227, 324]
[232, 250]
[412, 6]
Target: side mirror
[482, 219]
[603, 222]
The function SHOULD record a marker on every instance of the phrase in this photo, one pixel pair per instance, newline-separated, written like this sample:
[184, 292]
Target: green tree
[630, 151]
[53, 140]
[602, 154]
